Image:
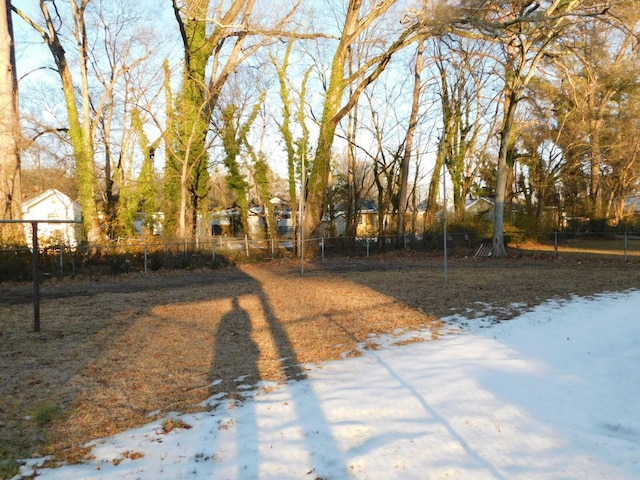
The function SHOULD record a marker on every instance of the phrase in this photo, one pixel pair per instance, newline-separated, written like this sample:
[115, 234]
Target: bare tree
[463, 87]
[118, 62]
[81, 125]
[524, 33]
[598, 68]
[358, 18]
[10, 188]
[405, 161]
[216, 39]
[296, 147]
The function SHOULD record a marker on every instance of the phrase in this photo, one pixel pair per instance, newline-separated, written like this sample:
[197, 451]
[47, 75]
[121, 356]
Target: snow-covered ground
[553, 394]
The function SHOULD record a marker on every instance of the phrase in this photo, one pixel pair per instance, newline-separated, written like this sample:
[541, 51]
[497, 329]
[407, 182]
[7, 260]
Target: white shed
[53, 205]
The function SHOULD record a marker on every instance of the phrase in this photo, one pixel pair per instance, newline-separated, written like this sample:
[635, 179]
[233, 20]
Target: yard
[116, 352]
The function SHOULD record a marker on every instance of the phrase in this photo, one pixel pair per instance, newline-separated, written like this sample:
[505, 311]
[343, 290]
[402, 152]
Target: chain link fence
[127, 256]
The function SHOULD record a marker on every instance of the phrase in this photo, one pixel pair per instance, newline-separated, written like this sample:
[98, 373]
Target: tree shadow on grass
[237, 368]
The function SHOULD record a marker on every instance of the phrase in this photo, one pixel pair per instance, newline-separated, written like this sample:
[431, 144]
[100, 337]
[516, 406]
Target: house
[227, 222]
[53, 205]
[285, 223]
[152, 223]
[367, 221]
[473, 208]
[632, 205]
[479, 208]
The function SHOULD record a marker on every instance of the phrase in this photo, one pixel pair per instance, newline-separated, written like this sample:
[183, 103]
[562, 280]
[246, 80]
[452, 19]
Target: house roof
[365, 205]
[475, 201]
[44, 196]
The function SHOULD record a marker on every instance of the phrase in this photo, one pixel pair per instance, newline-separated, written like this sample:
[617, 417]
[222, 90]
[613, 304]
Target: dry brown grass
[118, 352]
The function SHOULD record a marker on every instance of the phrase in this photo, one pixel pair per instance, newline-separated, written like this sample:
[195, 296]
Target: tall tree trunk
[352, 193]
[83, 155]
[408, 147]
[333, 111]
[10, 192]
[595, 192]
[434, 188]
[80, 129]
[287, 134]
[193, 115]
[499, 249]
[319, 175]
[596, 197]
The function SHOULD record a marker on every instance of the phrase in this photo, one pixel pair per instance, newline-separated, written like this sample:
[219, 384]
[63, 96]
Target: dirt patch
[118, 352]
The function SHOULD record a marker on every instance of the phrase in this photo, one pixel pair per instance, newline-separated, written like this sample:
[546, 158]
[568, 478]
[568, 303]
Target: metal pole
[302, 210]
[36, 263]
[36, 277]
[444, 188]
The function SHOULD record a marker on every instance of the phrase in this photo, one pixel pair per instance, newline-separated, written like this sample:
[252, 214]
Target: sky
[551, 394]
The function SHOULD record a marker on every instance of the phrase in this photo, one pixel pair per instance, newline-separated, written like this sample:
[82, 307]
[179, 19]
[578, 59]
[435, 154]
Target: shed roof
[44, 196]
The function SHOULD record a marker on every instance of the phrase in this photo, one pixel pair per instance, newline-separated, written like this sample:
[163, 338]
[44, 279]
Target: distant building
[479, 208]
[632, 205]
[367, 220]
[53, 205]
[146, 223]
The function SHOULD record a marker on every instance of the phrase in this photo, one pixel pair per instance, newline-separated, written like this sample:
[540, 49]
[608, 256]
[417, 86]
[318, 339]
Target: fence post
[36, 277]
[322, 246]
[555, 244]
[213, 249]
[246, 244]
[367, 246]
[145, 259]
[626, 245]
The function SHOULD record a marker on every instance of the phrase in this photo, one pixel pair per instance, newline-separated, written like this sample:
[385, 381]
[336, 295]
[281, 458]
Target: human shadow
[235, 361]
[235, 369]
